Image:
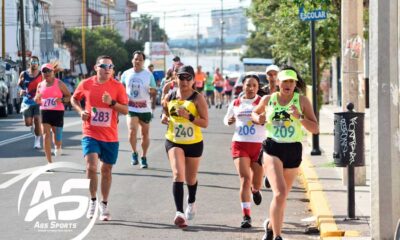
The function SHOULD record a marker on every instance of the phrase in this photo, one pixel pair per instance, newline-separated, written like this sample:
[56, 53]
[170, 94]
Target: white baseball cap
[272, 68]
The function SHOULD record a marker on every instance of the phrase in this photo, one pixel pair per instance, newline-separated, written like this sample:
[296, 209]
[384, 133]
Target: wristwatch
[191, 117]
[301, 117]
[113, 102]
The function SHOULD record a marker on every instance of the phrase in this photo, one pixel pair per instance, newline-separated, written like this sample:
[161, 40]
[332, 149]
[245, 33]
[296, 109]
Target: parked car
[238, 88]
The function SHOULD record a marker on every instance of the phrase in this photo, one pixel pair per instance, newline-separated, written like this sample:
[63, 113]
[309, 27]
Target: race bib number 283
[100, 117]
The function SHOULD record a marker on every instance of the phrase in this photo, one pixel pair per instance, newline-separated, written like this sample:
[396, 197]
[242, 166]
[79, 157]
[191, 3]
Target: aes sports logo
[54, 208]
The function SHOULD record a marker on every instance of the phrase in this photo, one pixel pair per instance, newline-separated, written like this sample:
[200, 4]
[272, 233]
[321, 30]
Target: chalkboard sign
[349, 139]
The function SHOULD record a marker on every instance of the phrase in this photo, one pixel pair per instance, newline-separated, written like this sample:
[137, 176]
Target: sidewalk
[326, 190]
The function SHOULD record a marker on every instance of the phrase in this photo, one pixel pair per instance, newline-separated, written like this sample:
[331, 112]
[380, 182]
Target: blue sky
[176, 23]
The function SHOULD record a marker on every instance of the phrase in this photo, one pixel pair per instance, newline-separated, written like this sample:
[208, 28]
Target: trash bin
[349, 138]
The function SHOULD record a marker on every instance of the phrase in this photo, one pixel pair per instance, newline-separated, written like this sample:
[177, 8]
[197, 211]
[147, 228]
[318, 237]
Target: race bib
[100, 117]
[246, 129]
[283, 129]
[184, 131]
[48, 103]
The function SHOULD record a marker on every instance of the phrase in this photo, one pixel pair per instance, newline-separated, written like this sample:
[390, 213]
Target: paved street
[141, 201]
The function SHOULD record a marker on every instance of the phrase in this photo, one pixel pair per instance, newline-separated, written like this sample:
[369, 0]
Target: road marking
[28, 135]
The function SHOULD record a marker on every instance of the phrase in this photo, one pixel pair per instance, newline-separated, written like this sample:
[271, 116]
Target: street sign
[314, 15]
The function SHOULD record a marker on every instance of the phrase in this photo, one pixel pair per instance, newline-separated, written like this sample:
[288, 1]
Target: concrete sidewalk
[326, 190]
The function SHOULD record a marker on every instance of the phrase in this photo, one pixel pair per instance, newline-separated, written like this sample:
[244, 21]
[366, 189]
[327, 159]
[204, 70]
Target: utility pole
[352, 66]
[23, 50]
[83, 33]
[3, 30]
[222, 36]
[165, 48]
[197, 40]
[150, 38]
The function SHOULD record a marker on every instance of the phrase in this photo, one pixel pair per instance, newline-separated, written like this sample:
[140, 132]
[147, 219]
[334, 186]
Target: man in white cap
[272, 76]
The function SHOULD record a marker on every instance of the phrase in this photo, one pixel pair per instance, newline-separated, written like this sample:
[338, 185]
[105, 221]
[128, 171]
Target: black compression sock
[192, 192]
[177, 190]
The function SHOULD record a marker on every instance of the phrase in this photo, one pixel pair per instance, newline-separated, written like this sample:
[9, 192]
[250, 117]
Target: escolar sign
[312, 15]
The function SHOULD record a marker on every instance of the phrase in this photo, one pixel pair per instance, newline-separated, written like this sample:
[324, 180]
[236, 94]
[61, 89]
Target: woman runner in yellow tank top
[186, 112]
[284, 114]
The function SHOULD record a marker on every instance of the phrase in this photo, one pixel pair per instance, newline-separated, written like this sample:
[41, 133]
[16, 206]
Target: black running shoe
[278, 238]
[246, 223]
[266, 182]
[257, 197]
[269, 234]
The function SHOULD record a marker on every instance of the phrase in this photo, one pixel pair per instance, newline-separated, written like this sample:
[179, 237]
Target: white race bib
[48, 103]
[184, 131]
[101, 117]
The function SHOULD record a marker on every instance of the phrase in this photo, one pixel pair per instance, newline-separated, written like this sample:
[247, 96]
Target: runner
[139, 84]
[185, 113]
[199, 79]
[284, 113]
[219, 87]
[51, 95]
[246, 145]
[209, 89]
[105, 98]
[228, 87]
[28, 81]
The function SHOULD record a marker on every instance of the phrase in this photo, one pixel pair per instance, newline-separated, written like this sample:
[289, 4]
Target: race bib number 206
[100, 117]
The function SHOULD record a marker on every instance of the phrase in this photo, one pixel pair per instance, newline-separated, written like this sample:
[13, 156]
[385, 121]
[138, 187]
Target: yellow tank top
[181, 130]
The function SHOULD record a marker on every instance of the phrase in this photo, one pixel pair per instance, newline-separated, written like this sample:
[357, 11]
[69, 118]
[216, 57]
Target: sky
[180, 15]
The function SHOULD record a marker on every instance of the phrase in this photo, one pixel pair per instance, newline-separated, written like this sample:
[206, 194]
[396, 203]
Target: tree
[141, 25]
[288, 37]
[99, 41]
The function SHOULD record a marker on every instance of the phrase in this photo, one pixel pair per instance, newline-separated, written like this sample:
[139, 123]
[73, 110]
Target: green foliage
[101, 41]
[280, 30]
[141, 25]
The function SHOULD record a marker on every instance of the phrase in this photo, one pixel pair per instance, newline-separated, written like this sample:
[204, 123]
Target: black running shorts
[190, 150]
[289, 153]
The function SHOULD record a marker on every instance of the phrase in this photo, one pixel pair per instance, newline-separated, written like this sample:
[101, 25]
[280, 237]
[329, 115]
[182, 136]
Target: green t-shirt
[281, 126]
[209, 86]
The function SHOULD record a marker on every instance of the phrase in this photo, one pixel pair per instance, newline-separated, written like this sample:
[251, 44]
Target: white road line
[28, 135]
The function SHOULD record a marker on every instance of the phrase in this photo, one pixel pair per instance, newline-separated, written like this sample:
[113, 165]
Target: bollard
[349, 148]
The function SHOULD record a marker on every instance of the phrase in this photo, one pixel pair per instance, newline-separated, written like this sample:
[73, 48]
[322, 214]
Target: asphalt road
[141, 201]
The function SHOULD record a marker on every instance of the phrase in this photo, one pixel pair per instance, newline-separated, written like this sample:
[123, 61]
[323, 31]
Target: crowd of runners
[266, 143]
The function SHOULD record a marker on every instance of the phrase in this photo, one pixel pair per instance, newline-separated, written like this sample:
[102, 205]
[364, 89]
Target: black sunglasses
[46, 70]
[106, 66]
[185, 77]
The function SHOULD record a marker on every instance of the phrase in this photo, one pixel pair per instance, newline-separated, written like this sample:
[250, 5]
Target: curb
[318, 203]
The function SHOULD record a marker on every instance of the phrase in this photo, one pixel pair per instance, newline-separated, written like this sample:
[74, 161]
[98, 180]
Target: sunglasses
[106, 66]
[185, 77]
[34, 62]
[46, 70]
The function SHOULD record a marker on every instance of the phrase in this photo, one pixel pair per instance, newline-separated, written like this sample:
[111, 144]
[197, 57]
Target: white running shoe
[92, 208]
[104, 212]
[190, 211]
[180, 220]
[57, 152]
[37, 143]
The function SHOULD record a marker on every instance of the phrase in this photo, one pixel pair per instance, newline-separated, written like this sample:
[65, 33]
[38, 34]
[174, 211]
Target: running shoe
[57, 152]
[180, 220]
[278, 238]
[37, 143]
[143, 162]
[92, 209]
[104, 212]
[246, 223]
[190, 211]
[266, 182]
[257, 197]
[134, 160]
[269, 234]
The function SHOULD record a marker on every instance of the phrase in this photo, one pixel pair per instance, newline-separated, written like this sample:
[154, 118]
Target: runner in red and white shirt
[105, 98]
[246, 145]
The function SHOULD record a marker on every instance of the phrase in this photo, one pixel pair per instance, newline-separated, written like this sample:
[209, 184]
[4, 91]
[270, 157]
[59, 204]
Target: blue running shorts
[107, 151]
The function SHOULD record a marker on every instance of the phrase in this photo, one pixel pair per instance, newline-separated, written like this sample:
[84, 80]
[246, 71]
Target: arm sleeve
[229, 114]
